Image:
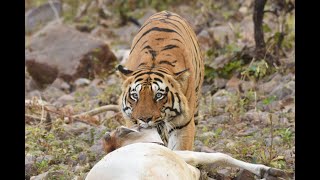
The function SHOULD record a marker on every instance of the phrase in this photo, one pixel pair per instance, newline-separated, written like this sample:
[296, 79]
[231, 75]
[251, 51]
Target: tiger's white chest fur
[173, 140]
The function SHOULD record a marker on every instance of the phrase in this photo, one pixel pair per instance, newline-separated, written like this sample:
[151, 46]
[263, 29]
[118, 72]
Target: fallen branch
[98, 111]
[83, 10]
[85, 117]
[31, 117]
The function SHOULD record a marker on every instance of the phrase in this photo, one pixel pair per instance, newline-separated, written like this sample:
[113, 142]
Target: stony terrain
[247, 108]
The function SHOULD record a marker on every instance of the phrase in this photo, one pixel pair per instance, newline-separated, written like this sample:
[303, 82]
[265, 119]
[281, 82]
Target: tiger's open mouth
[161, 128]
[149, 124]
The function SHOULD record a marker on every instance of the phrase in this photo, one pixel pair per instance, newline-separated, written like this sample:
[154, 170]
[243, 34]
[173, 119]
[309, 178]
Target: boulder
[205, 39]
[41, 15]
[29, 165]
[60, 51]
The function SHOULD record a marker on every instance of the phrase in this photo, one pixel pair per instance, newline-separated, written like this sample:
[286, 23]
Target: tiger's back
[167, 41]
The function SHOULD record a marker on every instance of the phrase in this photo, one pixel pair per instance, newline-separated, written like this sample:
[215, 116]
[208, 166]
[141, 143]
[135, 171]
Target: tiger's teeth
[143, 124]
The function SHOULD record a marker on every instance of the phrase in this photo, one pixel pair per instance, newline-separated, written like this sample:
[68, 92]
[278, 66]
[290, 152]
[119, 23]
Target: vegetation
[248, 122]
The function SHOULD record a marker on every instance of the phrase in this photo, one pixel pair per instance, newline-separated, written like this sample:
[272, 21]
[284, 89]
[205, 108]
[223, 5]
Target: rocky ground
[247, 108]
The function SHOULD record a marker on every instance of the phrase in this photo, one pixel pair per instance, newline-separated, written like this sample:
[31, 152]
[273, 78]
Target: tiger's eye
[134, 95]
[158, 95]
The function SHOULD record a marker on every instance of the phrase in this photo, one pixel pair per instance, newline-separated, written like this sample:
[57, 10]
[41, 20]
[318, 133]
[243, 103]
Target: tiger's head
[153, 96]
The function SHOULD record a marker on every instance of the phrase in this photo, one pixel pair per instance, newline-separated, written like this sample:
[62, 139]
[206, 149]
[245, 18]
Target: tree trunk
[258, 29]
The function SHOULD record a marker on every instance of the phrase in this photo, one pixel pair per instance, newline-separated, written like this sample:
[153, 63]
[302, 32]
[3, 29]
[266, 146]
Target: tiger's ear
[124, 72]
[182, 75]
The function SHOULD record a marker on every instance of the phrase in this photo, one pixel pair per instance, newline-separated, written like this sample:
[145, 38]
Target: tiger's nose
[146, 119]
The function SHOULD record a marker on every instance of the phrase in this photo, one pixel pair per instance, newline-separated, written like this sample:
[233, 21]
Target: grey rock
[289, 154]
[276, 141]
[97, 148]
[221, 119]
[122, 55]
[246, 31]
[207, 88]
[34, 93]
[102, 33]
[57, 174]
[224, 172]
[205, 39]
[248, 132]
[76, 128]
[59, 50]
[41, 15]
[219, 146]
[77, 178]
[220, 61]
[82, 157]
[113, 80]
[243, 9]
[78, 169]
[247, 86]
[220, 82]
[97, 81]
[221, 99]
[284, 90]
[40, 176]
[206, 149]
[47, 158]
[287, 78]
[125, 33]
[94, 134]
[65, 99]
[94, 91]
[31, 85]
[51, 94]
[29, 166]
[147, 14]
[254, 116]
[82, 82]
[223, 34]
[207, 135]
[198, 143]
[233, 85]
[245, 175]
[61, 84]
[230, 144]
[269, 86]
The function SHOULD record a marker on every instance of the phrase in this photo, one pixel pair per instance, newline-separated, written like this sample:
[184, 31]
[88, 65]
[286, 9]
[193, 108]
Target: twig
[255, 101]
[98, 110]
[33, 117]
[69, 117]
[83, 12]
[273, 12]
[271, 143]
[55, 11]
[44, 107]
[42, 110]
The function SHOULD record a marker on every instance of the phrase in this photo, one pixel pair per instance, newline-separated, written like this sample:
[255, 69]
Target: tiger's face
[151, 97]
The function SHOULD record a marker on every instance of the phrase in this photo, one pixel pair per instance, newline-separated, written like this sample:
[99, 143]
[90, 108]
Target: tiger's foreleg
[183, 138]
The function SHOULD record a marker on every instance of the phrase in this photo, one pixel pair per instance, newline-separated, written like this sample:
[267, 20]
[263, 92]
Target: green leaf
[266, 28]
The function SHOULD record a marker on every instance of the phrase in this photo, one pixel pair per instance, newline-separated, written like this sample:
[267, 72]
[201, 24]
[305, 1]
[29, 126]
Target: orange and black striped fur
[163, 78]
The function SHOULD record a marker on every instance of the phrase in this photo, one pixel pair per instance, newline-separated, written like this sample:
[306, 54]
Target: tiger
[162, 79]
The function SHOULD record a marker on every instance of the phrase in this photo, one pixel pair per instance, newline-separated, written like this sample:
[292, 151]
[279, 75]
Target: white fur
[140, 159]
